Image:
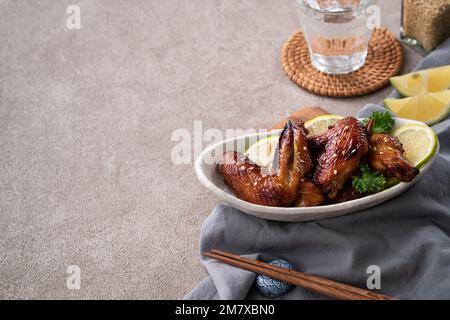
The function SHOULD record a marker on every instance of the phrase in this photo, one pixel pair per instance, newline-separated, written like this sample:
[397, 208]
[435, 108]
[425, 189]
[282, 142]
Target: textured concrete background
[86, 118]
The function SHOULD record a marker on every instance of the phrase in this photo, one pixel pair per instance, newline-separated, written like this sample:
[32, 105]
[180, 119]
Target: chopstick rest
[271, 287]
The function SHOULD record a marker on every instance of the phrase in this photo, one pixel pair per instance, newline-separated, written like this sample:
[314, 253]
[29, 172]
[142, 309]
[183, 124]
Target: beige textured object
[384, 60]
[426, 21]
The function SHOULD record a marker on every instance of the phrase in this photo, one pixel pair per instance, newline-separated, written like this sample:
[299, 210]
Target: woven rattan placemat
[384, 60]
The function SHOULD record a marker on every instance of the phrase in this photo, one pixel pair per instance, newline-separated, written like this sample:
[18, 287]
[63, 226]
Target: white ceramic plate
[212, 180]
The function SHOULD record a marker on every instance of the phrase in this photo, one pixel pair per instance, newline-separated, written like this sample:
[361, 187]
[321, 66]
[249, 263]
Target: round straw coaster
[384, 60]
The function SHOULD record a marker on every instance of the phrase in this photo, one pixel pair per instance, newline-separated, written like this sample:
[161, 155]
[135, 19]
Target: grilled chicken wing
[309, 195]
[279, 189]
[346, 143]
[386, 156]
[318, 143]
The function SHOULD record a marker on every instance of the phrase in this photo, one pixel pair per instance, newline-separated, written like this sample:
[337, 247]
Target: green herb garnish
[368, 181]
[383, 122]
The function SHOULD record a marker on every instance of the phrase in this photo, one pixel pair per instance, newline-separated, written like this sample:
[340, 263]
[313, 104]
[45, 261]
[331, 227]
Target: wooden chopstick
[324, 286]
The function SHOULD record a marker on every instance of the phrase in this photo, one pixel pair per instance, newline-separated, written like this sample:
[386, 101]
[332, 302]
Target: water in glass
[337, 33]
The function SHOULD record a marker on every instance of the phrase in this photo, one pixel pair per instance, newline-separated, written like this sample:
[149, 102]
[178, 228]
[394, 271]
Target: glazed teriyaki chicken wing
[343, 145]
[309, 195]
[280, 189]
[386, 156]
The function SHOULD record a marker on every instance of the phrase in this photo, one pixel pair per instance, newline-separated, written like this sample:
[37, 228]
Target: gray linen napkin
[408, 237]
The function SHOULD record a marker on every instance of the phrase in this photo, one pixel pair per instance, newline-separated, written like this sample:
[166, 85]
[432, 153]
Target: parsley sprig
[368, 181]
[383, 122]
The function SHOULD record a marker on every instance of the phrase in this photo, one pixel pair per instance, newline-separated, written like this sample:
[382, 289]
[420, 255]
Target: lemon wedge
[429, 108]
[320, 124]
[262, 152]
[419, 141]
[423, 81]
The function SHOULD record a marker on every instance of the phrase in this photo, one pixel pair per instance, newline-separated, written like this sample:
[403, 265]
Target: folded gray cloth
[408, 237]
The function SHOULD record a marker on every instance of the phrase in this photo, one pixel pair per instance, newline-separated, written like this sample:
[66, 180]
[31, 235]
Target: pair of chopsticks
[326, 287]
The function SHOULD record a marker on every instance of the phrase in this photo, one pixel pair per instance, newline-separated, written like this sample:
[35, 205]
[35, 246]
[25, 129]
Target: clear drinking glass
[337, 33]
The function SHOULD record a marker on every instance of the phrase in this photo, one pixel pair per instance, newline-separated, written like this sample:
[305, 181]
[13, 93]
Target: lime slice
[419, 141]
[429, 108]
[320, 124]
[423, 81]
[263, 151]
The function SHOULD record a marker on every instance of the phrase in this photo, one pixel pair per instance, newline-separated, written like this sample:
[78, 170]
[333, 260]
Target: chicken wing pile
[313, 171]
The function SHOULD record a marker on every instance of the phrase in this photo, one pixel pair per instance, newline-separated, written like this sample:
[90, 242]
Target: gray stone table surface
[86, 120]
